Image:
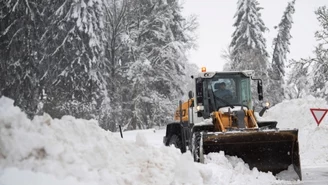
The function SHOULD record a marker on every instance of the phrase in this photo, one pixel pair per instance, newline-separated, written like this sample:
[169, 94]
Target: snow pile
[79, 148]
[36, 178]
[233, 171]
[75, 151]
[312, 138]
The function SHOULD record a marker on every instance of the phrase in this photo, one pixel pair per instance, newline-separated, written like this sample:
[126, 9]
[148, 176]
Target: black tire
[197, 148]
[176, 141]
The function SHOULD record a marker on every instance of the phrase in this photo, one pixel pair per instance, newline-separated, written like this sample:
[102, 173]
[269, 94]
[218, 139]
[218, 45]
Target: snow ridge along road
[75, 151]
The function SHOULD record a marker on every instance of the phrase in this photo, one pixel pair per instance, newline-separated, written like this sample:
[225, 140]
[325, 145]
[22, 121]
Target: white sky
[215, 19]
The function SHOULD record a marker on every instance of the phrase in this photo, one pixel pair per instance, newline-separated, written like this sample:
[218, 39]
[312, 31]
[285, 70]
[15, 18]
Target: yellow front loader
[212, 121]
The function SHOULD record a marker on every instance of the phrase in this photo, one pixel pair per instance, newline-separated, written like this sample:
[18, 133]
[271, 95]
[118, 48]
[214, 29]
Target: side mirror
[260, 89]
[190, 115]
[190, 94]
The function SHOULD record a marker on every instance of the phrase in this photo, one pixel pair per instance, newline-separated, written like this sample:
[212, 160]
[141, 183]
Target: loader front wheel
[197, 148]
[175, 141]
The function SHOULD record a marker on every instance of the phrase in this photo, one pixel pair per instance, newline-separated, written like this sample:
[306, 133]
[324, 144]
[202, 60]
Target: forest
[124, 62]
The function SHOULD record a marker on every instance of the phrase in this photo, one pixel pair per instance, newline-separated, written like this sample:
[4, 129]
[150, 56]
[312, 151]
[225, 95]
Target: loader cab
[211, 95]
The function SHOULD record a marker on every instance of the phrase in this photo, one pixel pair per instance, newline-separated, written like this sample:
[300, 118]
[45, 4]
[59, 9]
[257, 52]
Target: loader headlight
[200, 107]
[266, 104]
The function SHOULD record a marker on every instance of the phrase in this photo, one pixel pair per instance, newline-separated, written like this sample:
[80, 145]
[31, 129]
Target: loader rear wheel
[197, 148]
[176, 141]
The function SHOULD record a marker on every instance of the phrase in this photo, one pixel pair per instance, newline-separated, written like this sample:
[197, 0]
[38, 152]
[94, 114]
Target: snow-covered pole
[121, 131]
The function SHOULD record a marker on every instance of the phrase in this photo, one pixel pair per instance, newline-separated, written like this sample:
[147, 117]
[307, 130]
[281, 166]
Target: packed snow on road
[71, 151]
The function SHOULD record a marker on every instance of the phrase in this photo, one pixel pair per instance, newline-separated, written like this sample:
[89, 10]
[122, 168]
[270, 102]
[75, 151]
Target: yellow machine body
[234, 128]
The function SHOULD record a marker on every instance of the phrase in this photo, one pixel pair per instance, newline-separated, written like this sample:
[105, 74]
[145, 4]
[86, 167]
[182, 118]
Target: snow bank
[10, 177]
[77, 148]
[313, 139]
[76, 151]
[233, 171]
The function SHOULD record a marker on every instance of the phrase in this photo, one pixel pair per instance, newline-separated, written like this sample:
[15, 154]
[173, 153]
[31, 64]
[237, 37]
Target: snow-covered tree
[20, 32]
[248, 36]
[309, 76]
[320, 68]
[114, 63]
[299, 79]
[72, 42]
[118, 61]
[53, 48]
[158, 40]
[281, 42]
[248, 46]
[279, 58]
[227, 57]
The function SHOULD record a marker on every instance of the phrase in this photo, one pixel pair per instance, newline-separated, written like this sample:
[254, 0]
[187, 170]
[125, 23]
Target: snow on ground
[74, 151]
[78, 148]
[312, 138]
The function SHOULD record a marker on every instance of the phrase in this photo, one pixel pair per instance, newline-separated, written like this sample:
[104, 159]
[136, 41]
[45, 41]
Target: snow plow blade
[269, 150]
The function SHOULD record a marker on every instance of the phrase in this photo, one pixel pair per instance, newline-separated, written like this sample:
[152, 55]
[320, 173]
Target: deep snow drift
[75, 151]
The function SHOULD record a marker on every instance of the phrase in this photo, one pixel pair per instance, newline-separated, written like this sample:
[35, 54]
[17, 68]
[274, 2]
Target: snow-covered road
[315, 175]
[312, 174]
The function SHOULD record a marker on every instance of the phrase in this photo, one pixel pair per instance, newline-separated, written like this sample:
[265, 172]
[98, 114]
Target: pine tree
[248, 36]
[248, 48]
[281, 48]
[281, 42]
[71, 43]
[20, 32]
[117, 61]
[157, 41]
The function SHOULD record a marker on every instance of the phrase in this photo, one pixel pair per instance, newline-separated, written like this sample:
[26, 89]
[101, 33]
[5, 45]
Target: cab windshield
[228, 90]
